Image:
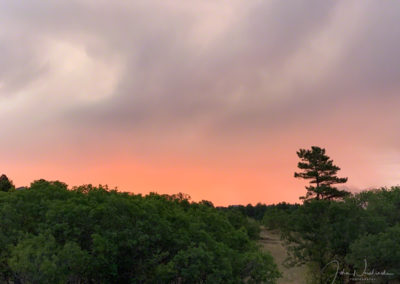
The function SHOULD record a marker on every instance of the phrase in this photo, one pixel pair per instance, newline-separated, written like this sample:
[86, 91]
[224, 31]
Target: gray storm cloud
[162, 70]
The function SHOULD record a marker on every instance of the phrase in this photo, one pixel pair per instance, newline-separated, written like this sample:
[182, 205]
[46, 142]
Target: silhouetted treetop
[5, 183]
[317, 167]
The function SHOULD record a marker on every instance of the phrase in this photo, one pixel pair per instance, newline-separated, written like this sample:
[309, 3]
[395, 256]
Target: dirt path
[271, 242]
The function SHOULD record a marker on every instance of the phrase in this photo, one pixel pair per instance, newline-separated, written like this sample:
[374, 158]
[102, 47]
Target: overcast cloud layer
[212, 98]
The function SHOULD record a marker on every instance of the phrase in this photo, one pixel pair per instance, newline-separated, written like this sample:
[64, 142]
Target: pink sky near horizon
[212, 99]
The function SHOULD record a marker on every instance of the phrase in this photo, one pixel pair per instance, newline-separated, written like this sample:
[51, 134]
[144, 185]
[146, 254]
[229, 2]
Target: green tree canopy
[380, 252]
[320, 170]
[88, 234]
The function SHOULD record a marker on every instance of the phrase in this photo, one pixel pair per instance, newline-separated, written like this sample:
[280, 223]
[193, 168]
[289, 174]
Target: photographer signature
[354, 274]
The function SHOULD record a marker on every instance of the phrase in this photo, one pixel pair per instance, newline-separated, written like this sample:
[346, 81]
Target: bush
[50, 234]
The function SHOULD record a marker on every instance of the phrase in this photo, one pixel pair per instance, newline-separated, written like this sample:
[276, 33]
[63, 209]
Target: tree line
[50, 233]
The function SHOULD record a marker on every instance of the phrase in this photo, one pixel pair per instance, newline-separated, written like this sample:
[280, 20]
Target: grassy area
[270, 241]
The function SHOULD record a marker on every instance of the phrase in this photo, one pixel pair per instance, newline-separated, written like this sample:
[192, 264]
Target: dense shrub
[50, 234]
[362, 229]
[277, 216]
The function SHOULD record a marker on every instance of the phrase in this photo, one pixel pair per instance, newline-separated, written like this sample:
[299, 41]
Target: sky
[210, 98]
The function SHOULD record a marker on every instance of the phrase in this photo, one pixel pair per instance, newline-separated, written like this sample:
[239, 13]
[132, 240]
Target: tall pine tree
[320, 170]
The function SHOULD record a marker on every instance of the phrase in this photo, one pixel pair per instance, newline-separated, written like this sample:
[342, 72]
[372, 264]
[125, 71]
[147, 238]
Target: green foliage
[364, 226]
[320, 170]
[240, 221]
[50, 234]
[40, 259]
[254, 212]
[381, 252]
[278, 216]
[35, 260]
[258, 266]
